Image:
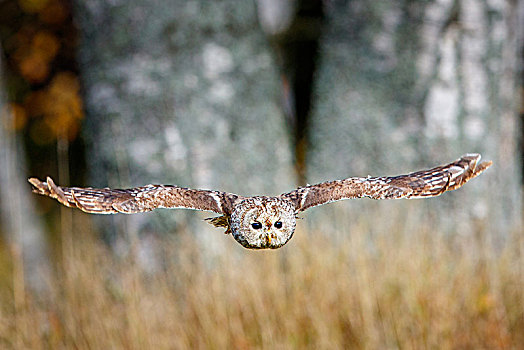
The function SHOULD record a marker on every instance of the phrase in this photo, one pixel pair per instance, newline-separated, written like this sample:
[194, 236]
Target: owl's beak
[269, 238]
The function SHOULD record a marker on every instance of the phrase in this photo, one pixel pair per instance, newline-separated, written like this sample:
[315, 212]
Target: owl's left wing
[134, 200]
[420, 184]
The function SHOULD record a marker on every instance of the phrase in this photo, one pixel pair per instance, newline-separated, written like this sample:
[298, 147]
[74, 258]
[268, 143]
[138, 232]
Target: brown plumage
[264, 222]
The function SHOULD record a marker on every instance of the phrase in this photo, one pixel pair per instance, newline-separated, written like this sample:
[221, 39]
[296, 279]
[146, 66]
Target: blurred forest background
[257, 97]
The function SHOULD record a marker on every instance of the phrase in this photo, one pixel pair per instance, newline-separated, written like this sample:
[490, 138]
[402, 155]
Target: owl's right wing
[420, 184]
[135, 200]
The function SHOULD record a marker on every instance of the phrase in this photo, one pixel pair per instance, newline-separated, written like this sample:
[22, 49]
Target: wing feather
[135, 200]
[419, 184]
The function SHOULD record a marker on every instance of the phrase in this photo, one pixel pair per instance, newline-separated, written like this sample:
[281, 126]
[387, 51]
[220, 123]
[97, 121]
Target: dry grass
[399, 290]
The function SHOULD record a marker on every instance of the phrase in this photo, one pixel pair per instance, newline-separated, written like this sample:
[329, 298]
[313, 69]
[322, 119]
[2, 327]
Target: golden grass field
[418, 290]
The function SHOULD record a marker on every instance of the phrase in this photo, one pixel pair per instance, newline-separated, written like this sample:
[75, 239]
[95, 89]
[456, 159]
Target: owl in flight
[264, 222]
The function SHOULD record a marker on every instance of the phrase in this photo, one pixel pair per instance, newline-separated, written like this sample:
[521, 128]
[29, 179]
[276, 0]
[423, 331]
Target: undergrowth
[392, 291]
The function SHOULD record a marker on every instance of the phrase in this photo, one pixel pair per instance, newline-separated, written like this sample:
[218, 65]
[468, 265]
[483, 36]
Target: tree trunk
[20, 223]
[406, 85]
[181, 93]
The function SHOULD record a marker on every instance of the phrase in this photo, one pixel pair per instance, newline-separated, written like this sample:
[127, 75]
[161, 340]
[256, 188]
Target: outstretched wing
[134, 200]
[420, 184]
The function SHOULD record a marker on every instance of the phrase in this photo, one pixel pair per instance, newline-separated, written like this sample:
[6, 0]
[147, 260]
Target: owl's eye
[278, 224]
[256, 225]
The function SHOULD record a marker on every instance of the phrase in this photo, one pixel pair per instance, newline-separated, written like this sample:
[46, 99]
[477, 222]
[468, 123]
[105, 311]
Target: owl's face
[263, 222]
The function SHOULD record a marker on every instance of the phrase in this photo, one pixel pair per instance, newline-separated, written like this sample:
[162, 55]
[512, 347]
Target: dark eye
[278, 224]
[256, 225]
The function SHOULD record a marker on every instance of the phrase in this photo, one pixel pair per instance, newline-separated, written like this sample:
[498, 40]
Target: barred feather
[419, 184]
[134, 200]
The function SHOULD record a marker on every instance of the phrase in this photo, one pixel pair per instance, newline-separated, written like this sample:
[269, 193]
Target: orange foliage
[53, 13]
[60, 107]
[49, 105]
[34, 68]
[32, 6]
[45, 44]
[35, 56]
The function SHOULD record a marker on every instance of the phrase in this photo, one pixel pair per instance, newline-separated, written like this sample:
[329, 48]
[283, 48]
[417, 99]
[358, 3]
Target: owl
[264, 222]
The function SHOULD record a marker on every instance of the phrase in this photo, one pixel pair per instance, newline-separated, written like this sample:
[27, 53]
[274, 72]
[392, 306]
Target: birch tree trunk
[407, 84]
[181, 93]
[19, 221]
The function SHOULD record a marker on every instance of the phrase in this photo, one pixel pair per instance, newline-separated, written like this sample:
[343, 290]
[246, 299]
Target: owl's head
[263, 222]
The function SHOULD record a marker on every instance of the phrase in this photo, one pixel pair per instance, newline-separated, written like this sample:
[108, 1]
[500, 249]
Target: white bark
[21, 224]
[181, 93]
[403, 85]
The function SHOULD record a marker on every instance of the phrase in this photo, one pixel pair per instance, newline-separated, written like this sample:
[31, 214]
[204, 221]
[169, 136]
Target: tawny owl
[264, 222]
